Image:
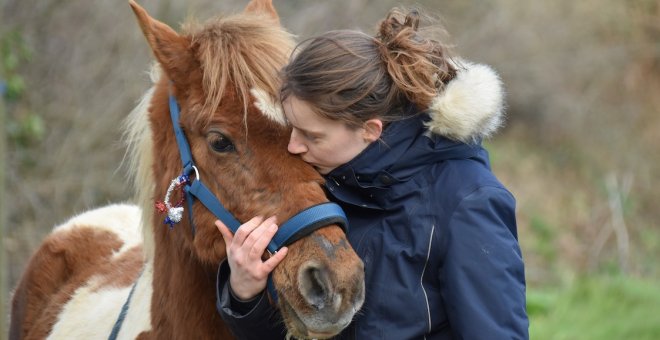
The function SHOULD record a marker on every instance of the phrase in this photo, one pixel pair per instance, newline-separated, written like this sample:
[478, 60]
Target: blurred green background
[579, 151]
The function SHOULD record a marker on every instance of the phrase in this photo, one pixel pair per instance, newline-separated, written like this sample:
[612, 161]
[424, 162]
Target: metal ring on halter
[196, 173]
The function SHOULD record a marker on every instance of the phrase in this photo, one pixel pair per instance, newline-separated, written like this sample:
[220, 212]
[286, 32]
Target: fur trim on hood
[471, 107]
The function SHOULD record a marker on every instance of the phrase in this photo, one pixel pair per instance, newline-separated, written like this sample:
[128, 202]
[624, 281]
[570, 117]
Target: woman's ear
[373, 128]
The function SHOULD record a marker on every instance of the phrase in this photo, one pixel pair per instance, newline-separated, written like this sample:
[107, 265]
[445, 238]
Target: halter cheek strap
[195, 188]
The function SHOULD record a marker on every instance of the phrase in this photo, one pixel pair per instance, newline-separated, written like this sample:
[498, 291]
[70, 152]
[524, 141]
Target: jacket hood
[471, 107]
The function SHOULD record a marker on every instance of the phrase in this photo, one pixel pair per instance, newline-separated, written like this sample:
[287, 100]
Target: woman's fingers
[261, 243]
[251, 239]
[256, 234]
[224, 231]
[246, 229]
[274, 260]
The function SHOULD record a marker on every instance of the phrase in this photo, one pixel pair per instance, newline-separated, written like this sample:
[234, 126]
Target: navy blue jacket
[437, 234]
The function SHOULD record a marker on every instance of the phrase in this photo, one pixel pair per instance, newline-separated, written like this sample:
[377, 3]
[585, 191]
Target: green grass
[596, 308]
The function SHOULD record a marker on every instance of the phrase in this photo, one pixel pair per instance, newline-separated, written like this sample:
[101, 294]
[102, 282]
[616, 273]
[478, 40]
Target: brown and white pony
[224, 75]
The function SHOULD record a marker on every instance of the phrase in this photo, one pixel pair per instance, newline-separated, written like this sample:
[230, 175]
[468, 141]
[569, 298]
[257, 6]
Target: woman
[394, 125]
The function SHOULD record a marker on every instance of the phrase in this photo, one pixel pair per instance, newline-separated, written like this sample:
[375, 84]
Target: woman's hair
[352, 77]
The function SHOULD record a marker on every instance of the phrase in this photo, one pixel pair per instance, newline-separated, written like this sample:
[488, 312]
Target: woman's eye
[220, 143]
[310, 138]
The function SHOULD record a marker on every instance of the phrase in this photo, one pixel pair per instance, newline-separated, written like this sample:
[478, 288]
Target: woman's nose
[295, 145]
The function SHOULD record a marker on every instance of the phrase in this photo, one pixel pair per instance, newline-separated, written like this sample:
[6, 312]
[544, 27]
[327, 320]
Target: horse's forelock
[239, 51]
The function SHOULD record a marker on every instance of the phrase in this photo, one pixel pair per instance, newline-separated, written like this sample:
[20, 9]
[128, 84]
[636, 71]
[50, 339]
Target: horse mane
[221, 45]
[240, 51]
[139, 158]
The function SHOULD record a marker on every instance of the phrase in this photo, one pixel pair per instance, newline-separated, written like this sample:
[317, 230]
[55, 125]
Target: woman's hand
[244, 251]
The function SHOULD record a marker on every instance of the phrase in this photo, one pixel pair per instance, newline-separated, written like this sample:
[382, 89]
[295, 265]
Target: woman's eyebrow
[308, 132]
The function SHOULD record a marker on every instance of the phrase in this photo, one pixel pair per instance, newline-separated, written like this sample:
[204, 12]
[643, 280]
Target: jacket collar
[404, 148]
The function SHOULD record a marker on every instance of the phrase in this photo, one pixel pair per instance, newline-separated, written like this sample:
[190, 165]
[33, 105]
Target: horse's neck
[183, 299]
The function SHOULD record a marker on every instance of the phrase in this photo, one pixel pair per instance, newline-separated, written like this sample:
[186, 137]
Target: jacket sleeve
[482, 276]
[252, 320]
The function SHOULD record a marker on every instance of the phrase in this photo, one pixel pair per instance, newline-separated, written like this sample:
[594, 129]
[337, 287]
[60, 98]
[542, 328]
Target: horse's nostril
[315, 285]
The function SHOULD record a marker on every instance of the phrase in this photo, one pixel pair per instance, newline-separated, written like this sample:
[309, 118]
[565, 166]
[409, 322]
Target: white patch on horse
[122, 220]
[91, 313]
[264, 102]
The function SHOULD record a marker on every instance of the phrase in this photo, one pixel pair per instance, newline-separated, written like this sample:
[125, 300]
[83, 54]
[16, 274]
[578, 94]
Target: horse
[120, 272]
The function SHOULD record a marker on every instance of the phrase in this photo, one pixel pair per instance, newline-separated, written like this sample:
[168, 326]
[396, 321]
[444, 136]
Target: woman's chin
[323, 170]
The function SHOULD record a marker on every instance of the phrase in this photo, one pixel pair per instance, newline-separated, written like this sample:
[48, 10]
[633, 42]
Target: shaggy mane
[138, 139]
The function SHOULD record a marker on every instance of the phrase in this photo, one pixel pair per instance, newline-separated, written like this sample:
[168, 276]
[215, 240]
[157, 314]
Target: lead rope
[122, 313]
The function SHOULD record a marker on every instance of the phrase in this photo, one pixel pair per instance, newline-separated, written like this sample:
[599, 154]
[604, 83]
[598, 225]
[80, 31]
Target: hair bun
[396, 22]
[417, 63]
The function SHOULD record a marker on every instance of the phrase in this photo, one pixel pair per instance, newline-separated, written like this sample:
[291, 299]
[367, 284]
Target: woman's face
[321, 142]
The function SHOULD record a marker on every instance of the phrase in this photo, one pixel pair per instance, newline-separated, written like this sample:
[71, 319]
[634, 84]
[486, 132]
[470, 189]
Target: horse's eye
[220, 143]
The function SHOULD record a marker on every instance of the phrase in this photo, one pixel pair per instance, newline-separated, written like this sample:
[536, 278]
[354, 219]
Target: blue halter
[298, 226]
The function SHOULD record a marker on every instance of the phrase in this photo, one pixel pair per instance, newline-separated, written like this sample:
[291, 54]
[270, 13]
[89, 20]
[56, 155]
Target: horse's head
[225, 78]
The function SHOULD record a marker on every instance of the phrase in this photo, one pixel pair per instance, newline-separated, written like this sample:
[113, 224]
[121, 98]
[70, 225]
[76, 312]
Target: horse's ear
[264, 7]
[171, 50]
